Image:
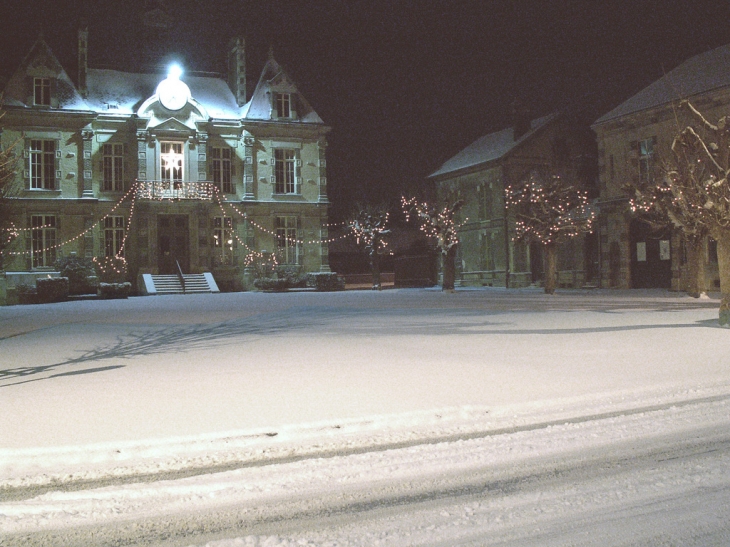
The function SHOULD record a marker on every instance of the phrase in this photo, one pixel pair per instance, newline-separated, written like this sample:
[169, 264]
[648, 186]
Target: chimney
[237, 69]
[83, 61]
[521, 122]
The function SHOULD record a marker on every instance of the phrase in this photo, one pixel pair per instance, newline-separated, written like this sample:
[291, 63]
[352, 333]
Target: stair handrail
[180, 275]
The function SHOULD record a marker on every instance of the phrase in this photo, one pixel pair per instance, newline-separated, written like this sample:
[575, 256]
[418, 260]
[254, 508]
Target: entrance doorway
[172, 244]
[651, 259]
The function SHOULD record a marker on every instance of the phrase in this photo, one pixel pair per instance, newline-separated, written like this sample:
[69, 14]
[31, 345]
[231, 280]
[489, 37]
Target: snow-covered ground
[402, 417]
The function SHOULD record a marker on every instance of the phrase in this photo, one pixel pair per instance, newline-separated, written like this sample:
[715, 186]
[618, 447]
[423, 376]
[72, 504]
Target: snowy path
[407, 417]
[636, 478]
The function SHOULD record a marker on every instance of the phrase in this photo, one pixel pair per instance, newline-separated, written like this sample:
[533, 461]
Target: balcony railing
[172, 189]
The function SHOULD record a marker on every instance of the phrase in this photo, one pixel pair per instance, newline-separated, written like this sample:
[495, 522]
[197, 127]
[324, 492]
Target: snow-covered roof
[490, 147]
[124, 92]
[41, 62]
[699, 74]
[273, 78]
[117, 92]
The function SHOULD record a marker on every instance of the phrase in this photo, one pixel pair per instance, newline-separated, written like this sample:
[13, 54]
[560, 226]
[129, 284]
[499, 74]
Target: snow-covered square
[397, 417]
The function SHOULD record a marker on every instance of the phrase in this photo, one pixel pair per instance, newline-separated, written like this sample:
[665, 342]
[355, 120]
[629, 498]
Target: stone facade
[154, 169]
[479, 174]
[632, 140]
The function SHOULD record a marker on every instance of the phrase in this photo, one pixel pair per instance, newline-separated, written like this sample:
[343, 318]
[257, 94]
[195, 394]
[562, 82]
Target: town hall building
[164, 173]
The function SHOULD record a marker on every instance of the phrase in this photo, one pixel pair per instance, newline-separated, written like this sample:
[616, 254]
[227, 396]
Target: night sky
[404, 84]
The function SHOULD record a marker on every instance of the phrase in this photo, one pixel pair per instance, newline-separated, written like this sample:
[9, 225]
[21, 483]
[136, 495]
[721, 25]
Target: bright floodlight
[175, 72]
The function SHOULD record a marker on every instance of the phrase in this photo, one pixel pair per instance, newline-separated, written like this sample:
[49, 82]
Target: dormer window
[283, 105]
[42, 91]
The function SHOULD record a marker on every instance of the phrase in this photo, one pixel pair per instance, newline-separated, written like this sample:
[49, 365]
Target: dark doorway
[172, 244]
[651, 260]
[590, 256]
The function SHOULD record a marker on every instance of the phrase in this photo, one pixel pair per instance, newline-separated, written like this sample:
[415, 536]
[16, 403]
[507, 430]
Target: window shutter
[57, 165]
[297, 171]
[26, 156]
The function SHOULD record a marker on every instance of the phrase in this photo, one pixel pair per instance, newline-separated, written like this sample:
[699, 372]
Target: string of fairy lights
[164, 191]
[548, 208]
[437, 224]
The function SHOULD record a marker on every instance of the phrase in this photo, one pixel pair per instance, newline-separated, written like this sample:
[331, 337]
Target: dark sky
[405, 84]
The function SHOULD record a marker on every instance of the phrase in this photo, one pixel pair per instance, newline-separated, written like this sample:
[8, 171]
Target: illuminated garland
[272, 233]
[162, 191]
[76, 237]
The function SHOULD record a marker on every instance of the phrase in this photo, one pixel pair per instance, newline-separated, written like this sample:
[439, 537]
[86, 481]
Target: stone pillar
[142, 137]
[202, 157]
[87, 174]
[322, 145]
[324, 246]
[248, 167]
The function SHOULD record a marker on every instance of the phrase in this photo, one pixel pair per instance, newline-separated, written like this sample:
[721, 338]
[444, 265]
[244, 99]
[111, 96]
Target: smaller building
[479, 174]
[633, 138]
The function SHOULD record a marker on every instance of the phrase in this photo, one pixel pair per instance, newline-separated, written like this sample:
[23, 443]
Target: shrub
[271, 284]
[27, 294]
[326, 281]
[52, 289]
[293, 277]
[114, 290]
[80, 272]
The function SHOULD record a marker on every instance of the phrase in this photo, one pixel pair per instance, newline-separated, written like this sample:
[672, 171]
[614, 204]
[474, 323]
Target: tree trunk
[723, 264]
[551, 268]
[449, 270]
[696, 266]
[375, 270]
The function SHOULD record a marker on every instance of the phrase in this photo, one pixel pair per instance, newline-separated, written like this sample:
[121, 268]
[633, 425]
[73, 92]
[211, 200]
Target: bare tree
[8, 165]
[439, 224]
[701, 156]
[549, 208]
[674, 200]
[369, 225]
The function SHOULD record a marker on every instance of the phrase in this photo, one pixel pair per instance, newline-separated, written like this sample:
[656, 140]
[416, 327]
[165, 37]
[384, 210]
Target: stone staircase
[170, 284]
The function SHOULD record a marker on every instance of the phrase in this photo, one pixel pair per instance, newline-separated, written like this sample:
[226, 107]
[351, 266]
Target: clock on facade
[172, 92]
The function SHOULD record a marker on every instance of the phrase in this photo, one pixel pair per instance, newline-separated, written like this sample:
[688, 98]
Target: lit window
[42, 164]
[222, 172]
[646, 159]
[283, 105]
[114, 236]
[113, 162]
[285, 171]
[223, 239]
[287, 242]
[43, 240]
[171, 164]
[42, 91]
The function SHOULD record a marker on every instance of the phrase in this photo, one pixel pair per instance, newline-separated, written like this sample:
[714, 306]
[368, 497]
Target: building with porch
[157, 173]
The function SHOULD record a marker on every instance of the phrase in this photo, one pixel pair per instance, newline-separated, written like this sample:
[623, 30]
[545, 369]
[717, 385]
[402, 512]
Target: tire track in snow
[71, 484]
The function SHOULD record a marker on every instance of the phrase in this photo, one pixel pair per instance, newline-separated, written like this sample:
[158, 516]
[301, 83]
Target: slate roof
[490, 147]
[40, 57]
[117, 92]
[273, 76]
[124, 92]
[698, 74]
